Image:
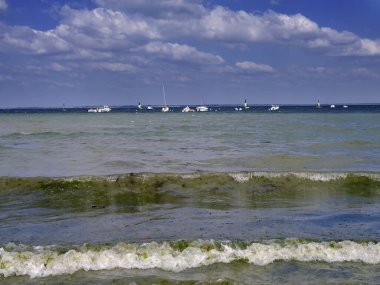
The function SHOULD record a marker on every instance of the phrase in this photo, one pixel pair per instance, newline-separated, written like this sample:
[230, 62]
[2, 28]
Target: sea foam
[177, 256]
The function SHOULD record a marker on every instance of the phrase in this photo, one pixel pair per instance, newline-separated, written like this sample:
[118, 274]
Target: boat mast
[163, 90]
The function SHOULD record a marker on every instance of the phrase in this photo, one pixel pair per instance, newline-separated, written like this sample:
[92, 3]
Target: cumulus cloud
[32, 41]
[240, 26]
[181, 52]
[255, 67]
[224, 24]
[3, 5]
[106, 29]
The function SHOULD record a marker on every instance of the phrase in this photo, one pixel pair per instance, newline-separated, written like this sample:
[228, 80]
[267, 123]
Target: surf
[41, 261]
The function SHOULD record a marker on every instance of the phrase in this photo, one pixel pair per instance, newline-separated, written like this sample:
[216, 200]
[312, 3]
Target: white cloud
[58, 67]
[255, 67]
[104, 29]
[224, 24]
[83, 33]
[3, 5]
[114, 66]
[366, 47]
[162, 8]
[239, 26]
[181, 52]
[32, 41]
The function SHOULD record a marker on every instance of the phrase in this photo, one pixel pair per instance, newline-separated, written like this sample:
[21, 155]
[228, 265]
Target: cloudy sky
[119, 52]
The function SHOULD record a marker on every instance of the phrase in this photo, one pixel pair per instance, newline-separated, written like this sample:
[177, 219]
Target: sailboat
[165, 108]
[139, 106]
[274, 108]
[318, 104]
[202, 108]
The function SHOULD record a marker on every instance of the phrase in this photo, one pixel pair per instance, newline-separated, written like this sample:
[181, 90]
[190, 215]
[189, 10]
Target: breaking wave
[40, 261]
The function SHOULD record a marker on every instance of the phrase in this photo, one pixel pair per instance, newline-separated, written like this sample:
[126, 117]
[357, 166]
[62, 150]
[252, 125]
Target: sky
[120, 52]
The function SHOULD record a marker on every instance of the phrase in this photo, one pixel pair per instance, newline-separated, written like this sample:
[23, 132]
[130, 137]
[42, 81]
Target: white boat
[201, 109]
[345, 106]
[187, 109]
[149, 108]
[332, 106]
[238, 109]
[104, 109]
[274, 108]
[165, 108]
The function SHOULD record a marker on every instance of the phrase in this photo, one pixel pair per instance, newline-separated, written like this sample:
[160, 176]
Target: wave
[252, 182]
[41, 261]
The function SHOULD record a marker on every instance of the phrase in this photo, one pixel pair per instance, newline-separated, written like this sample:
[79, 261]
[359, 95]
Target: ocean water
[223, 197]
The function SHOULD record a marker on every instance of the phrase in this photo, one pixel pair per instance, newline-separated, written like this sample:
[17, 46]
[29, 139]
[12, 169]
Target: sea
[228, 196]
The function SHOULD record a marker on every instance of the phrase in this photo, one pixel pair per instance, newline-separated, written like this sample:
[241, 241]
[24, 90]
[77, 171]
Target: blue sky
[116, 52]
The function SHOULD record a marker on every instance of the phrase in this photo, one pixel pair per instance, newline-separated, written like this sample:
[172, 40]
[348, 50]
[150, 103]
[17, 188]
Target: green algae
[131, 193]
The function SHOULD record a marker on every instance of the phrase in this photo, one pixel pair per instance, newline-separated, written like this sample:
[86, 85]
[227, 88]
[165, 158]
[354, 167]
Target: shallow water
[180, 229]
[182, 211]
[59, 144]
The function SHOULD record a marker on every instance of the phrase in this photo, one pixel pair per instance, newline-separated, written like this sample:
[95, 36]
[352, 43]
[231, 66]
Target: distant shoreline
[191, 105]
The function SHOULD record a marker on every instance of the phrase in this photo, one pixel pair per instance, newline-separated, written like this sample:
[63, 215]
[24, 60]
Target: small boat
[202, 108]
[149, 108]
[238, 109]
[274, 108]
[187, 109]
[104, 109]
[319, 104]
[165, 108]
[246, 104]
[139, 106]
[345, 106]
[332, 106]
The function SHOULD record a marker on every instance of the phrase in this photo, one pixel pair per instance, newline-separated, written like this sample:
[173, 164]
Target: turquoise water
[206, 198]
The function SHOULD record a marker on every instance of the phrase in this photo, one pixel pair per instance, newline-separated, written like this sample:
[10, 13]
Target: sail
[165, 108]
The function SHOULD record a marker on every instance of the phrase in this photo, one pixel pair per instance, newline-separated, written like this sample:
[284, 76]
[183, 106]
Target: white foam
[315, 176]
[46, 261]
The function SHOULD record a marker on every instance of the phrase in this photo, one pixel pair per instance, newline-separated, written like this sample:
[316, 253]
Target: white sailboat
[187, 109]
[104, 109]
[202, 108]
[165, 108]
[274, 108]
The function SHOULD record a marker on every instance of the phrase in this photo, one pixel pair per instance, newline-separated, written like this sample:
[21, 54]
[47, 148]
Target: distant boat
[246, 104]
[165, 108]
[187, 109]
[202, 108]
[104, 109]
[332, 106]
[318, 104]
[238, 109]
[345, 106]
[139, 106]
[274, 108]
[149, 108]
